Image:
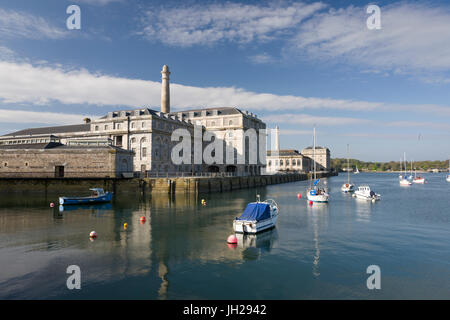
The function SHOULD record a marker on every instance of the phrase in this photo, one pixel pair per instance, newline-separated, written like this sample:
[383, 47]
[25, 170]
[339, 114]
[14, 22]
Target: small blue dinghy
[98, 196]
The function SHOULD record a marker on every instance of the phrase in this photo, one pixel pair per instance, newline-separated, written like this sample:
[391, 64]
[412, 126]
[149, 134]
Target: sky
[295, 64]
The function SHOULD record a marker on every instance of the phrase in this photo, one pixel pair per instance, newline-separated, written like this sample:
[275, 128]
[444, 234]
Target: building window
[96, 128]
[143, 125]
[26, 164]
[144, 152]
[118, 126]
[134, 150]
[133, 125]
[230, 123]
[213, 123]
[106, 127]
[6, 164]
[287, 162]
[133, 140]
[230, 134]
[281, 162]
[270, 163]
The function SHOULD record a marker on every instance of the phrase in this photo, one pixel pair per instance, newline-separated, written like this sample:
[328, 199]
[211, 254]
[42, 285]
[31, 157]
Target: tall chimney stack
[165, 91]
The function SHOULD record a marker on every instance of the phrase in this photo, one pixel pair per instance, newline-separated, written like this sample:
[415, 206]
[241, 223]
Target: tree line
[340, 164]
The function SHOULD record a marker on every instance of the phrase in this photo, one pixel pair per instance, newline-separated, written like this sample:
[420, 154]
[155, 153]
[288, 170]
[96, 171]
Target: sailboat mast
[348, 167]
[314, 152]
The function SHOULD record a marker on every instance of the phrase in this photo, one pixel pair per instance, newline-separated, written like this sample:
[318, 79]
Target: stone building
[46, 156]
[322, 157]
[287, 161]
[147, 135]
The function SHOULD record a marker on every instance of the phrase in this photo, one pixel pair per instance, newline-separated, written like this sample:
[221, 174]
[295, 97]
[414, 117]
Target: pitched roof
[50, 130]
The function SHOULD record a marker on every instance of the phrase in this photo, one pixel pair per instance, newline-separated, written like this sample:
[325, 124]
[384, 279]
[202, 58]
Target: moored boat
[98, 196]
[316, 194]
[348, 187]
[364, 192]
[257, 216]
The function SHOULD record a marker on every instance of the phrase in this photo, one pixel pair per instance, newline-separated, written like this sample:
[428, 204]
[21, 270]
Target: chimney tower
[165, 90]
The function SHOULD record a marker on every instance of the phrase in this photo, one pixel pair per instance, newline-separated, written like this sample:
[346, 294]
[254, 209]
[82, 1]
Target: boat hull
[252, 227]
[348, 188]
[318, 197]
[86, 200]
[419, 180]
[366, 197]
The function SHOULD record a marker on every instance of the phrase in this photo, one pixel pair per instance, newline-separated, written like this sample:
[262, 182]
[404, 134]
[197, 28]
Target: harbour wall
[148, 185]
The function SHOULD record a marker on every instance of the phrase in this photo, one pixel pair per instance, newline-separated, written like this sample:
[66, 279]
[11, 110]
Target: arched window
[133, 125]
[133, 140]
[270, 163]
[230, 123]
[281, 162]
[287, 162]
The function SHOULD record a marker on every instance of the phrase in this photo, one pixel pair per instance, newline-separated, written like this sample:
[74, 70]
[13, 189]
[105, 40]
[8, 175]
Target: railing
[149, 174]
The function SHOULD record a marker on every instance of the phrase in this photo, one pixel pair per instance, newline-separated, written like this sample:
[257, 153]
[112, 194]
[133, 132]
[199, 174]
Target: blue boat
[98, 196]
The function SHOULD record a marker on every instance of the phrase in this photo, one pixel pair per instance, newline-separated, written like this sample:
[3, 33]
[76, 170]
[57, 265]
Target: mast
[348, 167]
[314, 153]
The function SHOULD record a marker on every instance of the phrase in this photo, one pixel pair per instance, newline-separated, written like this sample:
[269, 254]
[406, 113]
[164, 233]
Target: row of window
[294, 162]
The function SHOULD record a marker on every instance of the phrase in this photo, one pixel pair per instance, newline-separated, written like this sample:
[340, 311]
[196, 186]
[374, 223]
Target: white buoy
[93, 234]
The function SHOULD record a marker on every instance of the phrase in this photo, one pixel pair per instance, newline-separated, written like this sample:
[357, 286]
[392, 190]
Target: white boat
[448, 176]
[403, 180]
[348, 187]
[257, 216]
[315, 193]
[356, 171]
[364, 192]
[418, 179]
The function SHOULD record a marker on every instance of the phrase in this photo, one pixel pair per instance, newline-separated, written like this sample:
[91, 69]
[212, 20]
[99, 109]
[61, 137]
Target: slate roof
[50, 130]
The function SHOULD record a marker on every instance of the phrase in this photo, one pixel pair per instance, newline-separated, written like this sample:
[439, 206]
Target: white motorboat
[364, 192]
[315, 193]
[348, 187]
[257, 216]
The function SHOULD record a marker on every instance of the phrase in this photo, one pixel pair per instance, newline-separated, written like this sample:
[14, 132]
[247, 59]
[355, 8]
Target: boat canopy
[256, 211]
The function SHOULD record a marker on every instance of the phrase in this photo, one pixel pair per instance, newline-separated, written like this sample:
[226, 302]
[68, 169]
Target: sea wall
[147, 185]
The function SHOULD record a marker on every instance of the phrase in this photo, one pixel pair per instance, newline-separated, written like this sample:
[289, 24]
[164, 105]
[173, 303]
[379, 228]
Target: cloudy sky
[295, 64]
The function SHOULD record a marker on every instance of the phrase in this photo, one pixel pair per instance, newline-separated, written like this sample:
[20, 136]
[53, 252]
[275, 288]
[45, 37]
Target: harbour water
[315, 252]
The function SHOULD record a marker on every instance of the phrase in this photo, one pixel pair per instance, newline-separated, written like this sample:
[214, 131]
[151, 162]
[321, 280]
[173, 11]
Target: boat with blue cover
[98, 196]
[257, 216]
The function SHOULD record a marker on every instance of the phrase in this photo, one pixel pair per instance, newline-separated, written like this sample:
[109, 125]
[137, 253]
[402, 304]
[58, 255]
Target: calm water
[315, 252]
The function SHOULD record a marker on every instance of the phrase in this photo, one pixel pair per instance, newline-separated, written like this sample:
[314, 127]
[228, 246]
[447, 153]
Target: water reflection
[363, 209]
[318, 213]
[256, 244]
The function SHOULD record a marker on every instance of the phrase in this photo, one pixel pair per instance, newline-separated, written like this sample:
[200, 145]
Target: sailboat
[418, 179]
[403, 180]
[316, 194]
[448, 176]
[348, 187]
[356, 170]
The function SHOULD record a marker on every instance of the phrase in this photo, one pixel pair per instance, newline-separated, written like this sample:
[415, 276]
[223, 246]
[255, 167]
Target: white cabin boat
[364, 192]
[257, 216]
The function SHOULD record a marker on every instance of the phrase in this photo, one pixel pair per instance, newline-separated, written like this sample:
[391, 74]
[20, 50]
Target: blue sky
[294, 64]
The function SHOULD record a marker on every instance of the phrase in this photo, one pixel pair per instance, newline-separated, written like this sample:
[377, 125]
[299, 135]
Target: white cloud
[6, 54]
[413, 37]
[262, 58]
[44, 84]
[26, 116]
[20, 24]
[306, 119]
[209, 24]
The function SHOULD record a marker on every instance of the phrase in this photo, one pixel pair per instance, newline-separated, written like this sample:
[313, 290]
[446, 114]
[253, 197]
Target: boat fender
[52, 204]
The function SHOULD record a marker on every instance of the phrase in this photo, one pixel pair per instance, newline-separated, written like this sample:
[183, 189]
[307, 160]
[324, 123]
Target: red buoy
[299, 196]
[310, 202]
[142, 219]
[52, 204]
[232, 239]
